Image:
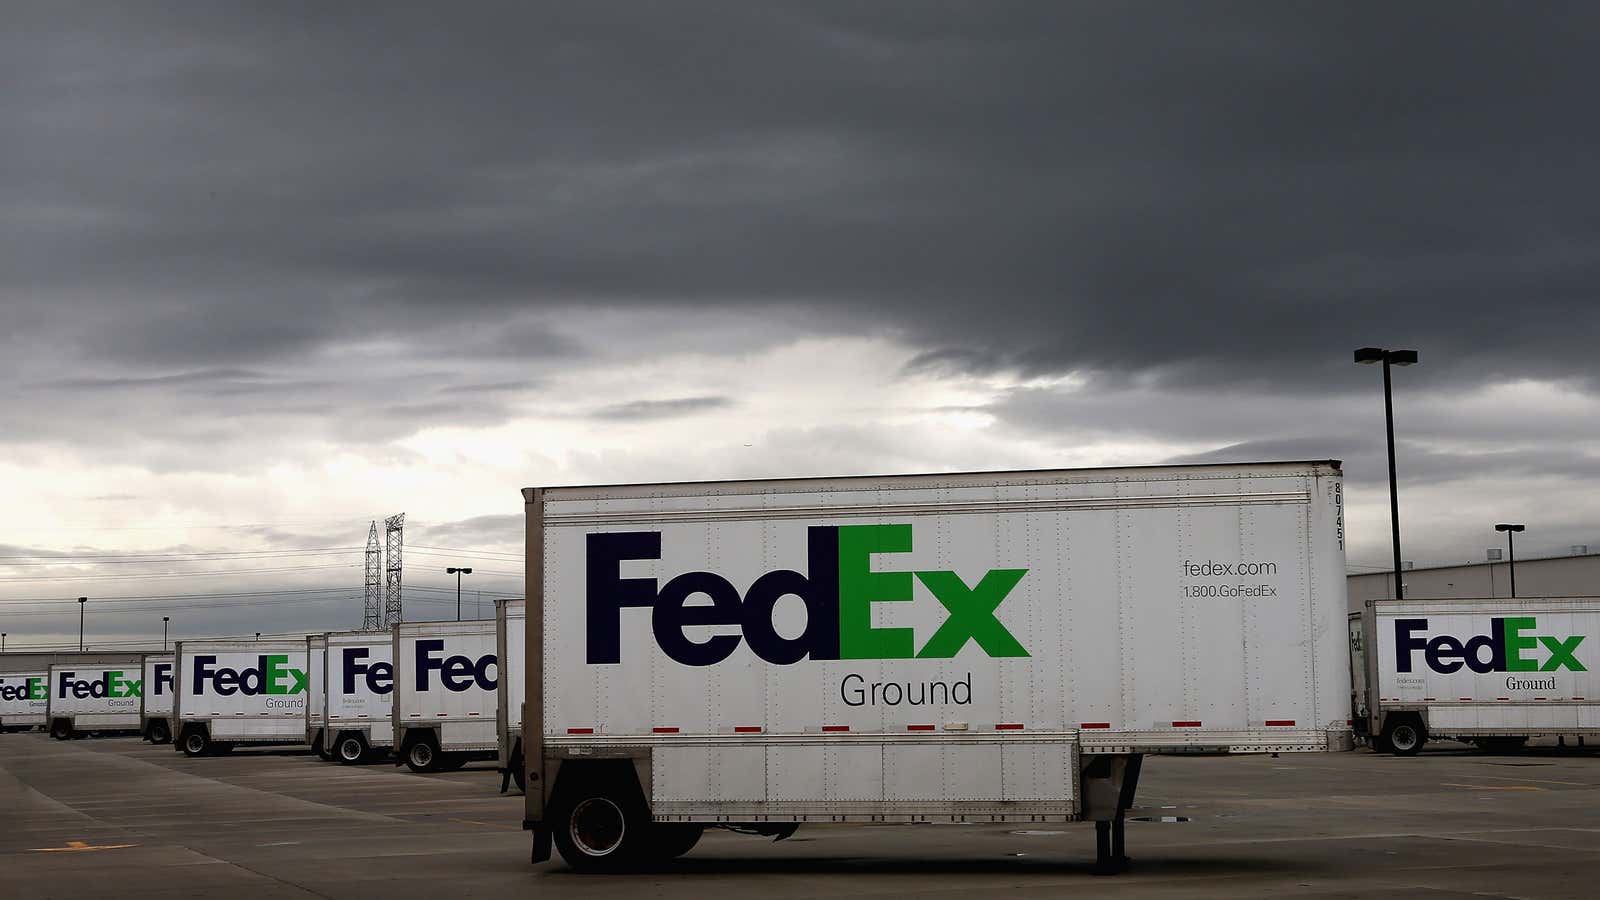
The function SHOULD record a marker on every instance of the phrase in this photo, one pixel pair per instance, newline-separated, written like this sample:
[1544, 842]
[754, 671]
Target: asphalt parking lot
[114, 817]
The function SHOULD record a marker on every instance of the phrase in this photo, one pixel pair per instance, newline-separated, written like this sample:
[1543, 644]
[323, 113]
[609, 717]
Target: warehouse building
[1576, 574]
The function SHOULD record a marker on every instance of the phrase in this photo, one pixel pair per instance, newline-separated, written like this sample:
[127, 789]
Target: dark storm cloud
[1125, 188]
[641, 410]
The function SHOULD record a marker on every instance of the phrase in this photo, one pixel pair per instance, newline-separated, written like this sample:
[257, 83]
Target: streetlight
[1367, 356]
[2, 642]
[458, 572]
[81, 602]
[1511, 551]
[164, 621]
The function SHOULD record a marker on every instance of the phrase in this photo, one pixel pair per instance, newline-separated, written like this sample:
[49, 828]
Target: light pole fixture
[164, 621]
[1367, 356]
[1511, 551]
[458, 571]
[81, 602]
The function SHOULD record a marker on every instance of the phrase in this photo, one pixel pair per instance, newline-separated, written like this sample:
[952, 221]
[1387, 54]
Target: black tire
[1405, 735]
[601, 825]
[160, 733]
[61, 729]
[422, 755]
[197, 743]
[351, 749]
[519, 778]
[670, 840]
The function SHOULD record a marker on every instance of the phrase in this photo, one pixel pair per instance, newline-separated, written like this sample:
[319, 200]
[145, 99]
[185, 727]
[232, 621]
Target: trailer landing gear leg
[1109, 785]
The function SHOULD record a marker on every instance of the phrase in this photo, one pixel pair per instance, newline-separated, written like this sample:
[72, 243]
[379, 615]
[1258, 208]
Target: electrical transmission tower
[372, 618]
[394, 543]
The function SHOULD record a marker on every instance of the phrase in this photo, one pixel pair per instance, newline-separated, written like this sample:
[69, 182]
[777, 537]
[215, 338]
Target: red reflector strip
[1577, 698]
[580, 731]
[664, 730]
[1541, 698]
[836, 728]
[1009, 726]
[1504, 699]
[1279, 723]
[1094, 724]
[919, 728]
[471, 713]
[1466, 698]
[1350, 722]
[1187, 724]
[1429, 699]
[747, 729]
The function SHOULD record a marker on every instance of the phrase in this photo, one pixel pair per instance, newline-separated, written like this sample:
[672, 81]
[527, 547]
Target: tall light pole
[1511, 551]
[2, 642]
[1367, 356]
[164, 621]
[81, 602]
[458, 571]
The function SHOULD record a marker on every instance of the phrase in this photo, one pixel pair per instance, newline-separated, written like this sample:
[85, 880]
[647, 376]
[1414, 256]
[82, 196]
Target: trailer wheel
[422, 756]
[1405, 735]
[670, 840]
[196, 743]
[61, 729]
[601, 826]
[352, 749]
[159, 732]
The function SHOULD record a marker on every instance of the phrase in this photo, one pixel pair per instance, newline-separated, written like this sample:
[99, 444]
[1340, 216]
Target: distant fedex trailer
[316, 693]
[1493, 672]
[446, 677]
[511, 642]
[100, 695]
[155, 711]
[233, 692]
[24, 700]
[358, 695]
[989, 647]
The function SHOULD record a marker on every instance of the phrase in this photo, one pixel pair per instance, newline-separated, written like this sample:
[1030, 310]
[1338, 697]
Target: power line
[176, 554]
[201, 574]
[483, 553]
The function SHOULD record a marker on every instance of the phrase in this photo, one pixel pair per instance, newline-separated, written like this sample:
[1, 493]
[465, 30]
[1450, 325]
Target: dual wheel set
[350, 749]
[602, 829]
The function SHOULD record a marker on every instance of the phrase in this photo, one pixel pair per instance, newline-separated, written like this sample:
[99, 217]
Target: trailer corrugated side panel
[368, 705]
[117, 707]
[276, 716]
[24, 698]
[1543, 677]
[449, 699]
[1158, 609]
[158, 685]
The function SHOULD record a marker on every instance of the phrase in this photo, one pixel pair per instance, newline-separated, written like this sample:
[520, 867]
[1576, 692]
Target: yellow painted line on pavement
[1492, 787]
[75, 846]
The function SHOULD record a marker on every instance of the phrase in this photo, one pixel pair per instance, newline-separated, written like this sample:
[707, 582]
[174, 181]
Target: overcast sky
[269, 271]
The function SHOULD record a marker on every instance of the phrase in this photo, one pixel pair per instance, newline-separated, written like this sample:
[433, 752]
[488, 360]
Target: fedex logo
[272, 674]
[838, 590]
[456, 672]
[109, 684]
[1506, 648]
[378, 676]
[27, 689]
[163, 678]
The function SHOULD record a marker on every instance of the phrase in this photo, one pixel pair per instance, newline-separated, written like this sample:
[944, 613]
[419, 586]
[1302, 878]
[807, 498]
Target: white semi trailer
[155, 710]
[991, 647]
[98, 695]
[1493, 672]
[316, 694]
[446, 678]
[232, 692]
[24, 700]
[511, 642]
[359, 696]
